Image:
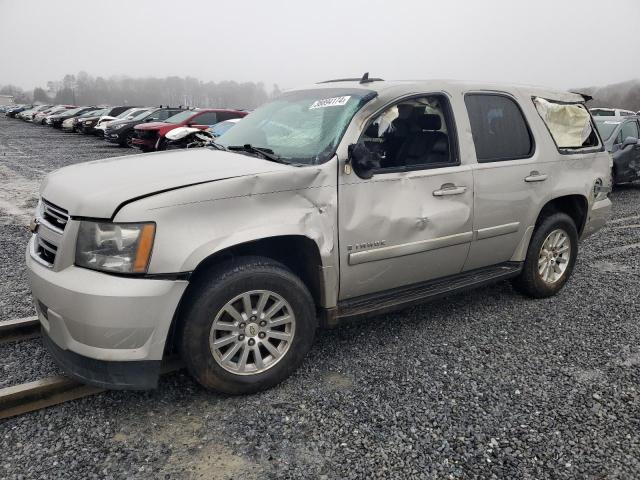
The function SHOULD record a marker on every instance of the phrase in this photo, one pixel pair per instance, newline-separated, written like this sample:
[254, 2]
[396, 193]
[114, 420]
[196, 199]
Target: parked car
[73, 124]
[151, 136]
[611, 112]
[222, 127]
[621, 138]
[341, 200]
[28, 115]
[105, 120]
[41, 117]
[12, 112]
[122, 131]
[56, 120]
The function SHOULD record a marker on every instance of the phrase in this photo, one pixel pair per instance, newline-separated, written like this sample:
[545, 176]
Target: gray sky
[561, 43]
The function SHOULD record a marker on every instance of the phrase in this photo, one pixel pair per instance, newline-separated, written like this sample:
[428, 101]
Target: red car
[151, 136]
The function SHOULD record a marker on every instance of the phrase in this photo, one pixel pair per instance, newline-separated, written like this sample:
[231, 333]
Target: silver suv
[343, 199]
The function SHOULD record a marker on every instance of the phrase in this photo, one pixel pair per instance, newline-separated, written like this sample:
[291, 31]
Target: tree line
[84, 89]
[619, 95]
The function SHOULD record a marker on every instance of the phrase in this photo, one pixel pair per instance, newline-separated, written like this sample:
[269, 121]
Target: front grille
[46, 250]
[56, 216]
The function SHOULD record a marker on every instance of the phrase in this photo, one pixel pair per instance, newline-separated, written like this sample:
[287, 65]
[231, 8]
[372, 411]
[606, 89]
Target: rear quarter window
[569, 124]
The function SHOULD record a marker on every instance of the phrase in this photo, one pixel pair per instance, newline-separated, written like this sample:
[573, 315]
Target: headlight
[115, 247]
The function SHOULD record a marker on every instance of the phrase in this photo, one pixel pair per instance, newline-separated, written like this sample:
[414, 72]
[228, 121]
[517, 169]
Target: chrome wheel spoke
[226, 327]
[279, 321]
[257, 358]
[246, 304]
[264, 296]
[235, 314]
[279, 335]
[242, 363]
[272, 350]
[275, 308]
[228, 355]
[221, 342]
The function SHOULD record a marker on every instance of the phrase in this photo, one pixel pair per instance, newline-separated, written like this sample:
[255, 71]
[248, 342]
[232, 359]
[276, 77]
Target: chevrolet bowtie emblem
[33, 226]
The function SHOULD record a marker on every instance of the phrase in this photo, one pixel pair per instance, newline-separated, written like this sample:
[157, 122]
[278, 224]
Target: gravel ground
[487, 384]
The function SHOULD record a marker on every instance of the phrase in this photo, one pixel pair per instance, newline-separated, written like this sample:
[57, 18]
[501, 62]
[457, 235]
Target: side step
[413, 294]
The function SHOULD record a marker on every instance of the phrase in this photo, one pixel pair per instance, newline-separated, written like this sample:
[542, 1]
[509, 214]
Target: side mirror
[629, 141]
[363, 161]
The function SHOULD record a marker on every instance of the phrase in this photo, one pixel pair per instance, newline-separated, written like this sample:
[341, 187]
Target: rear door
[509, 178]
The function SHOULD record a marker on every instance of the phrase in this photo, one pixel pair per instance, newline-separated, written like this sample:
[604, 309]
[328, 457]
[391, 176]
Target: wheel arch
[299, 253]
[575, 205]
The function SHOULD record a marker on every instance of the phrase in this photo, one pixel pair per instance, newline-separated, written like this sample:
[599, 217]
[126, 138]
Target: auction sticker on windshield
[330, 102]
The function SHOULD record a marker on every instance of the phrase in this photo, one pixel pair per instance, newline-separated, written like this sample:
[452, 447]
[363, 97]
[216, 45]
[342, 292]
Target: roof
[399, 87]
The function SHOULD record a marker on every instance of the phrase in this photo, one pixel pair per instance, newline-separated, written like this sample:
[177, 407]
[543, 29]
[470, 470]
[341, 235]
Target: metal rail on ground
[19, 329]
[50, 391]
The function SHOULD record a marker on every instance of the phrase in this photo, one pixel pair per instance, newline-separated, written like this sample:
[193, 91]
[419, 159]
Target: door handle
[536, 176]
[449, 189]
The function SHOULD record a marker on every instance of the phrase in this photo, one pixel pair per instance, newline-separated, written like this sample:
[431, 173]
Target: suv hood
[96, 189]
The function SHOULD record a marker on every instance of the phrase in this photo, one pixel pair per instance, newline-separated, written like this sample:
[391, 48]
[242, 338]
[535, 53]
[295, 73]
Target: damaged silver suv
[343, 199]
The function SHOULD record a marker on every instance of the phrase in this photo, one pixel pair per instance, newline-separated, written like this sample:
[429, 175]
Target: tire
[207, 307]
[127, 140]
[532, 281]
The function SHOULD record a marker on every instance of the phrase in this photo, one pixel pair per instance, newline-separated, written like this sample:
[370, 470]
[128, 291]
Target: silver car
[343, 199]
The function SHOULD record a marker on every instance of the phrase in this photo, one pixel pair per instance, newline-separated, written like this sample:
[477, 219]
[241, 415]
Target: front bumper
[598, 216]
[138, 375]
[148, 143]
[94, 317]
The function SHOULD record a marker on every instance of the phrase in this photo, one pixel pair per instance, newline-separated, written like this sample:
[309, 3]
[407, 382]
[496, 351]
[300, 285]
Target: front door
[626, 158]
[412, 221]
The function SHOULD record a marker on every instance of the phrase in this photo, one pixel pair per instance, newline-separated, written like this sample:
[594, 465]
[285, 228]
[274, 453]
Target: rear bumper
[597, 218]
[140, 375]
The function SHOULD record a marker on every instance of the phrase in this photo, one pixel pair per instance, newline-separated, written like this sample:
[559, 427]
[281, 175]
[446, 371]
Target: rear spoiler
[586, 96]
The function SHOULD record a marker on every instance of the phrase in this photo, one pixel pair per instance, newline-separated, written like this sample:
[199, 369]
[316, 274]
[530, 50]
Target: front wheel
[550, 258]
[247, 326]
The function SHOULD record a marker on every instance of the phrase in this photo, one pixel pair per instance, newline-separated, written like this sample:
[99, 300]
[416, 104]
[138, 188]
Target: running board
[402, 297]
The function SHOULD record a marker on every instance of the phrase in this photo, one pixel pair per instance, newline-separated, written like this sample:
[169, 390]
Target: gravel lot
[482, 385]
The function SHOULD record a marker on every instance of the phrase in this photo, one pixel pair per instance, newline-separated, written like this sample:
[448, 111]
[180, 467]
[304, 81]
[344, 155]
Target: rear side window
[208, 118]
[499, 129]
[570, 124]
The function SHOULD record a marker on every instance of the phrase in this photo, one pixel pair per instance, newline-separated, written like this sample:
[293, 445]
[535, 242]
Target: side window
[412, 134]
[499, 129]
[226, 116]
[629, 129]
[208, 118]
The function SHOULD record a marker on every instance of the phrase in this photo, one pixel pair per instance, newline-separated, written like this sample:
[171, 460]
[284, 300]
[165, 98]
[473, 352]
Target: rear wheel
[247, 327]
[550, 258]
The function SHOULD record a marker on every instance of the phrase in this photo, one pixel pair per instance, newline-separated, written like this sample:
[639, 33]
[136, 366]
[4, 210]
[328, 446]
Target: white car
[105, 120]
[611, 112]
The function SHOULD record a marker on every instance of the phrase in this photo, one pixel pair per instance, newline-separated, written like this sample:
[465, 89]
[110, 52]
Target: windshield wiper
[216, 145]
[265, 153]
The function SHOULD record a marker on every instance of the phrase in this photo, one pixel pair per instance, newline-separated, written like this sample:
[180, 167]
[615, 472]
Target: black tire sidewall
[207, 300]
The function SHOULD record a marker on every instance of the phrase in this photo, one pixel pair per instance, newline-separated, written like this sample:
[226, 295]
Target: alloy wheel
[554, 256]
[252, 332]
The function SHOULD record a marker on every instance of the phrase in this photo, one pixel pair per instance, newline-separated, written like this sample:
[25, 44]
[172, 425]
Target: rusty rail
[47, 392]
[19, 329]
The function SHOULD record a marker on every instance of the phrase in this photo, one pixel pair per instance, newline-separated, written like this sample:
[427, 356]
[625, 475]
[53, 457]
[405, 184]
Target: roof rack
[364, 79]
